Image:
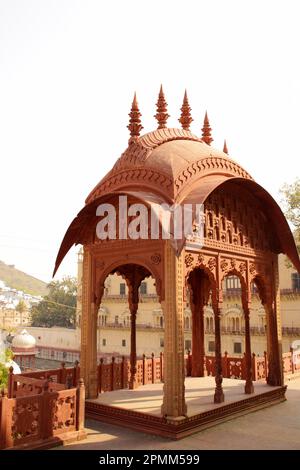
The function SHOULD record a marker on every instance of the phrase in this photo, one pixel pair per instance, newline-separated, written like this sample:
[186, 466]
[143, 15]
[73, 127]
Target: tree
[58, 308]
[5, 357]
[21, 307]
[291, 207]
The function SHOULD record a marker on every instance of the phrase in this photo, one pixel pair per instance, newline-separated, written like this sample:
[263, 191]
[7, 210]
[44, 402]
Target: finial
[161, 112]
[206, 131]
[185, 118]
[225, 149]
[134, 125]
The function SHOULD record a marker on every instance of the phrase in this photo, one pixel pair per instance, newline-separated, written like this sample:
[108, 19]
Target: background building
[113, 337]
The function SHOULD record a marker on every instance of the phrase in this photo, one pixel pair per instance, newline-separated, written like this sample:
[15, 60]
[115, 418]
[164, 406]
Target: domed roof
[23, 340]
[166, 159]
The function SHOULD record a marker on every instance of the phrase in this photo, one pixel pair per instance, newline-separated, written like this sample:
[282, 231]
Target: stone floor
[199, 395]
[275, 427]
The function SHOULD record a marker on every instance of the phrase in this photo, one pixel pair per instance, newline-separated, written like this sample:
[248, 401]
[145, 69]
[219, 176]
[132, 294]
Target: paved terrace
[275, 427]
[199, 395]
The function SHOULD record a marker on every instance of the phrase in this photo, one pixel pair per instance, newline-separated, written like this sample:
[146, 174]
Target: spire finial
[225, 149]
[161, 111]
[185, 118]
[206, 131]
[134, 125]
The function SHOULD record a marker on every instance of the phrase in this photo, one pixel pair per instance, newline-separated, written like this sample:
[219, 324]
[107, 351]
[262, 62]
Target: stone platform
[140, 409]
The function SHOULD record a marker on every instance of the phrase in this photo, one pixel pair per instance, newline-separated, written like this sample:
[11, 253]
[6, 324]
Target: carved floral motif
[252, 268]
[25, 420]
[155, 258]
[242, 267]
[224, 265]
[212, 263]
[189, 260]
[64, 415]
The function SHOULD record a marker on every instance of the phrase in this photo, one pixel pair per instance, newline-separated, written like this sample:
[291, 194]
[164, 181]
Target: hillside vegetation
[21, 281]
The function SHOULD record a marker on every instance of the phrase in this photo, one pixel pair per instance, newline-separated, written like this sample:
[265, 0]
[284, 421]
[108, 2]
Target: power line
[57, 303]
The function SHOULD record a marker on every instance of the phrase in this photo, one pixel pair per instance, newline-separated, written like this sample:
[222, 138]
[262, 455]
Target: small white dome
[23, 340]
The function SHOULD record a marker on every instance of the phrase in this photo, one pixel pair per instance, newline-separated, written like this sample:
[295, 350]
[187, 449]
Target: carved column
[198, 353]
[274, 333]
[219, 394]
[134, 275]
[88, 354]
[133, 299]
[174, 374]
[277, 321]
[249, 384]
[199, 294]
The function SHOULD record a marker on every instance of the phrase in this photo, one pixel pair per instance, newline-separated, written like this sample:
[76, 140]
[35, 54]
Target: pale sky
[68, 70]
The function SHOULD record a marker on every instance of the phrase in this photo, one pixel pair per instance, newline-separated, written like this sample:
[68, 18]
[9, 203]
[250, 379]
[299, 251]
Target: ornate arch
[102, 272]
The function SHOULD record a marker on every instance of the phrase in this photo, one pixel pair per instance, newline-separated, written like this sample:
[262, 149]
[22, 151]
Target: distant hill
[21, 281]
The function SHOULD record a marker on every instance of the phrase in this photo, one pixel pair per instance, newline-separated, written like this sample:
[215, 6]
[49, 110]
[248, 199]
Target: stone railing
[45, 408]
[114, 375]
[114, 372]
[235, 367]
[68, 376]
[39, 412]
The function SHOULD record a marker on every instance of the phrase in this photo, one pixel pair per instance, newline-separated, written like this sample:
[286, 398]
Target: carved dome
[166, 159]
[23, 340]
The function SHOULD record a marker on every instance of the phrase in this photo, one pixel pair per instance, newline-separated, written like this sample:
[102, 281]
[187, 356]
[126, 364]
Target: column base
[92, 392]
[249, 388]
[92, 386]
[176, 420]
[132, 385]
[166, 413]
[219, 396]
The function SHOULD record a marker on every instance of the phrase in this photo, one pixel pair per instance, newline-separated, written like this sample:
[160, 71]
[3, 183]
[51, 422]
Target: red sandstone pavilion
[244, 231]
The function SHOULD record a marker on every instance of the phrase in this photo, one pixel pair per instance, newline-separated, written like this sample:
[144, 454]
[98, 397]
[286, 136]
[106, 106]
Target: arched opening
[200, 287]
[129, 305]
[237, 339]
[267, 330]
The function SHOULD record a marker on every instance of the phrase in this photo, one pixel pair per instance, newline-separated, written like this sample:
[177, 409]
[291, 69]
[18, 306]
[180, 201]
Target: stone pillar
[198, 352]
[133, 307]
[277, 321]
[88, 353]
[174, 373]
[249, 384]
[274, 332]
[199, 294]
[219, 394]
